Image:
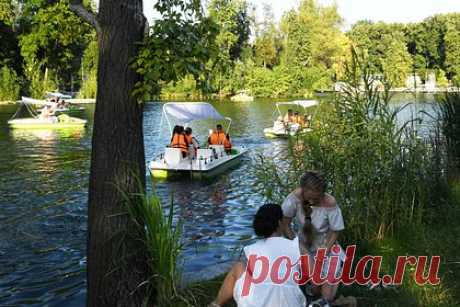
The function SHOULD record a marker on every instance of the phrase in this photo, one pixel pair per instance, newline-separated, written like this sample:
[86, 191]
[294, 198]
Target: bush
[89, 86]
[9, 84]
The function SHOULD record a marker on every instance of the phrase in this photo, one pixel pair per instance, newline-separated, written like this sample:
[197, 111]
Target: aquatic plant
[9, 84]
[384, 175]
[162, 243]
[449, 115]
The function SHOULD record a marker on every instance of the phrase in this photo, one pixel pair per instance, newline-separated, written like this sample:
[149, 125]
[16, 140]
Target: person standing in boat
[192, 142]
[178, 140]
[219, 137]
[320, 222]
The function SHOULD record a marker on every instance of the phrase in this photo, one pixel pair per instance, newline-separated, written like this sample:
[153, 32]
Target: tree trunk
[116, 259]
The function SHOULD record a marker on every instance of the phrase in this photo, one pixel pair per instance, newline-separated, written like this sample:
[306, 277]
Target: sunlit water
[43, 198]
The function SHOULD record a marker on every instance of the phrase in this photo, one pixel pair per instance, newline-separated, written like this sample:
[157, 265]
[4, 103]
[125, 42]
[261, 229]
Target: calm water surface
[43, 198]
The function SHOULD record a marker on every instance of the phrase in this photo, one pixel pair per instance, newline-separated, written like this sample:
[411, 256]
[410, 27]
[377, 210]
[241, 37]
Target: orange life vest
[220, 138]
[179, 141]
[227, 144]
[217, 138]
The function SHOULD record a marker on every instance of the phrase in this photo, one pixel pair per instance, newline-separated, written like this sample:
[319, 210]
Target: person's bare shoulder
[329, 201]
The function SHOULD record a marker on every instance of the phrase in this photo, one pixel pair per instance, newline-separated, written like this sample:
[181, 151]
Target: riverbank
[439, 238]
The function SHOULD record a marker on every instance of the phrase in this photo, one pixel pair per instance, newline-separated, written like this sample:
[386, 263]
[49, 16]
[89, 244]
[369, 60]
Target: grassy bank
[439, 238]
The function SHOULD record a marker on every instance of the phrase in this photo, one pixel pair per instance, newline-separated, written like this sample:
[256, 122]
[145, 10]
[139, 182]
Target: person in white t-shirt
[320, 221]
[267, 225]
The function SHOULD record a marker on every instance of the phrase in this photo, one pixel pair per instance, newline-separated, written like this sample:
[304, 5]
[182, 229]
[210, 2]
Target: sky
[354, 10]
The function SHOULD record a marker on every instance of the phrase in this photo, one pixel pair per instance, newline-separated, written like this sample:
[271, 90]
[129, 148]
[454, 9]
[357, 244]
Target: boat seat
[204, 153]
[173, 156]
[220, 150]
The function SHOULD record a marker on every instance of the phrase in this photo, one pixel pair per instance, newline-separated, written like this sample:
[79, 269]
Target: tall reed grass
[162, 239]
[449, 115]
[383, 174]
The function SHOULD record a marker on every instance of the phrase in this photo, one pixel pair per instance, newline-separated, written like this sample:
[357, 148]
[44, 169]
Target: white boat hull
[196, 168]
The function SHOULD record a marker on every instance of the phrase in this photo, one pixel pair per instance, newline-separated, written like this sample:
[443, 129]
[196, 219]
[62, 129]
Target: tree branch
[88, 16]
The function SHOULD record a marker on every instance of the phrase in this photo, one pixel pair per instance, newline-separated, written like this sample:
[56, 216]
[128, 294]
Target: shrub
[9, 84]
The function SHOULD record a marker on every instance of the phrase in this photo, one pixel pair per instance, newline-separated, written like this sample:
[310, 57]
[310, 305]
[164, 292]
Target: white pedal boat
[208, 162]
[281, 129]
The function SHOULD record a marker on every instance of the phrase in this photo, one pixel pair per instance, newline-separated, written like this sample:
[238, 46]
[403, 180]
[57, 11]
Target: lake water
[43, 199]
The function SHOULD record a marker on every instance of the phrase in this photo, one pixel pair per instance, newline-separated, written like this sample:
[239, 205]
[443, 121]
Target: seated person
[191, 140]
[47, 113]
[288, 116]
[219, 137]
[306, 121]
[178, 140]
[296, 118]
[267, 226]
[301, 121]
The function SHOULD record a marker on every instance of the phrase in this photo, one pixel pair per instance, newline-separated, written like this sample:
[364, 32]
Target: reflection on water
[43, 195]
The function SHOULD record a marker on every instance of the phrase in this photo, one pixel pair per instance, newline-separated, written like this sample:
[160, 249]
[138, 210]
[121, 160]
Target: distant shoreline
[405, 90]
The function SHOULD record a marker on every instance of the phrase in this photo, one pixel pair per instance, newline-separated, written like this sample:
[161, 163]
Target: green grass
[440, 237]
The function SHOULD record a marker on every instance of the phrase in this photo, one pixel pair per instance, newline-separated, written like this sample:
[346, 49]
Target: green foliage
[89, 71]
[441, 79]
[162, 239]
[449, 114]
[178, 44]
[386, 48]
[267, 44]
[313, 42]
[9, 84]
[7, 12]
[40, 83]
[452, 49]
[231, 19]
[56, 39]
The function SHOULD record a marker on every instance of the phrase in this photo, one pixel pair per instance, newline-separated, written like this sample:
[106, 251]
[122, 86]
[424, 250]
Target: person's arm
[331, 239]
[286, 228]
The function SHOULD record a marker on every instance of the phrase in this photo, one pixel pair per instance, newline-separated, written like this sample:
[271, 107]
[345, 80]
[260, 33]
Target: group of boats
[53, 112]
[214, 159]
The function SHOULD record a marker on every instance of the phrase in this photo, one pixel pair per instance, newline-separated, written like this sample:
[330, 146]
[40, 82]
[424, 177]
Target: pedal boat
[281, 129]
[207, 162]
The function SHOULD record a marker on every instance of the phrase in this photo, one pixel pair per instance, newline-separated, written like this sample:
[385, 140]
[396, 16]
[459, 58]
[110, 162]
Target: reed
[162, 244]
[383, 174]
[449, 115]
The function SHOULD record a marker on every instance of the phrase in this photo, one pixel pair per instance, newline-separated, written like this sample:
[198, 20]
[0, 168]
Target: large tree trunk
[116, 260]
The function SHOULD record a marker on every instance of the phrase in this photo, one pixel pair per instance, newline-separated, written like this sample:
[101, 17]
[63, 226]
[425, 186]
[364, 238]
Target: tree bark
[116, 257]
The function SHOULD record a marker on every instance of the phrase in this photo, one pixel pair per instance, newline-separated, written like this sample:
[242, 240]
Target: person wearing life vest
[178, 140]
[288, 116]
[296, 118]
[192, 142]
[219, 137]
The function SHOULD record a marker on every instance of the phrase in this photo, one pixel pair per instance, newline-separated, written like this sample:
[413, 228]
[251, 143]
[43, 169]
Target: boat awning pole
[229, 124]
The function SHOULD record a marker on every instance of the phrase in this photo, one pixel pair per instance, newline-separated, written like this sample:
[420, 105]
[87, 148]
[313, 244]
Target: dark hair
[177, 130]
[267, 220]
[188, 130]
[219, 126]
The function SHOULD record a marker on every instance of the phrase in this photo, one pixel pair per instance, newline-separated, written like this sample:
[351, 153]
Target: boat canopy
[58, 95]
[187, 112]
[302, 103]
